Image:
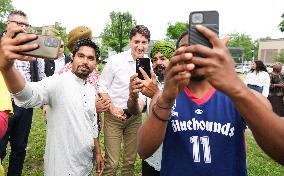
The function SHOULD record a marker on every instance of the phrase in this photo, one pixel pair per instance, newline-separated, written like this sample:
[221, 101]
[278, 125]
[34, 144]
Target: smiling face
[84, 62]
[139, 45]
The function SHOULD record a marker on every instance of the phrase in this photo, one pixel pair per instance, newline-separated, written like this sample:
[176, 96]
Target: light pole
[252, 51]
[120, 33]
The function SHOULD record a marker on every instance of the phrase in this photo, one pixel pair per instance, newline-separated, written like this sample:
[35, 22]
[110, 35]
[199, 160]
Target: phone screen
[144, 63]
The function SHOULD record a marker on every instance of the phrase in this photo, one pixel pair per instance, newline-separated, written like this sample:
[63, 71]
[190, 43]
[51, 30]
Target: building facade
[269, 49]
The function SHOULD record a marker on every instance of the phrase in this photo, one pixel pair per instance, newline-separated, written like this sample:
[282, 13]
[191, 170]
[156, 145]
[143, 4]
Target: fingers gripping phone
[209, 19]
[48, 46]
[144, 63]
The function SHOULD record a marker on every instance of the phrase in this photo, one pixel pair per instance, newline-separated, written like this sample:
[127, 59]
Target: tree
[111, 33]
[242, 41]
[5, 8]
[281, 25]
[60, 31]
[279, 58]
[175, 30]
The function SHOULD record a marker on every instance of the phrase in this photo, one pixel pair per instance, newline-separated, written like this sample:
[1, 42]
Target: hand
[218, 66]
[100, 165]
[117, 112]
[135, 86]
[150, 86]
[102, 104]
[177, 74]
[9, 47]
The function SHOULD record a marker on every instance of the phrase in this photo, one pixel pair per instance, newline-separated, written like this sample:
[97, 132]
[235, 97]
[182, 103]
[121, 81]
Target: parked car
[243, 69]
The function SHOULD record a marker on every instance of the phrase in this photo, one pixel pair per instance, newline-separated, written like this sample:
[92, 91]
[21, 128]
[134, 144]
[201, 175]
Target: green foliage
[258, 162]
[5, 8]
[2, 27]
[100, 67]
[175, 30]
[281, 25]
[111, 32]
[279, 58]
[242, 41]
[60, 31]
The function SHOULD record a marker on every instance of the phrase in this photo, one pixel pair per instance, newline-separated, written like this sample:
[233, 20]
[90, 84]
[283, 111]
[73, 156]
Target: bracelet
[156, 115]
[163, 107]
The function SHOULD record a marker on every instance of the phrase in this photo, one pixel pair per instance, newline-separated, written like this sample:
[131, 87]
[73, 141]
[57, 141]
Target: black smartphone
[127, 113]
[48, 46]
[144, 63]
[209, 19]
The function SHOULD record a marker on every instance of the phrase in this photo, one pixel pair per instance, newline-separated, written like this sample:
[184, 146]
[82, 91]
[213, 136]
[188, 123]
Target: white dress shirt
[24, 68]
[115, 78]
[261, 79]
[59, 63]
[71, 122]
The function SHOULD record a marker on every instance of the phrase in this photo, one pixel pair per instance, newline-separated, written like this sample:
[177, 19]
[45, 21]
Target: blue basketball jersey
[204, 137]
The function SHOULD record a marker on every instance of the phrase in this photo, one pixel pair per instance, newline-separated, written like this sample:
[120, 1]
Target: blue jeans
[19, 126]
[256, 88]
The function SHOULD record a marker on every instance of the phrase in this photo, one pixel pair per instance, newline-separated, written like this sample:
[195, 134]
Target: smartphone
[127, 113]
[144, 63]
[209, 19]
[48, 46]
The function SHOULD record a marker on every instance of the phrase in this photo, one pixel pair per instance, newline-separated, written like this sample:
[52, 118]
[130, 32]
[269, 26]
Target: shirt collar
[77, 79]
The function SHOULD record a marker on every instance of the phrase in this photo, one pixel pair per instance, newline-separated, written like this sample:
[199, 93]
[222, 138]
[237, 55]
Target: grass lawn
[258, 163]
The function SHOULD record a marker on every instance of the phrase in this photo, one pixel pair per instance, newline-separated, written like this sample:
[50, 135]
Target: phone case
[144, 63]
[48, 47]
[209, 19]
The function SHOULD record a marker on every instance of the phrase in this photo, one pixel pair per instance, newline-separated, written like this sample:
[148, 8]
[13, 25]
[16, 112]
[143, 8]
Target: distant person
[72, 125]
[276, 90]
[54, 66]
[119, 126]
[19, 124]
[258, 78]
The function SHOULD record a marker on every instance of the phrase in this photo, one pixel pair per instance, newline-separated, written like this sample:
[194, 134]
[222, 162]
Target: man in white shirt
[72, 125]
[160, 55]
[114, 83]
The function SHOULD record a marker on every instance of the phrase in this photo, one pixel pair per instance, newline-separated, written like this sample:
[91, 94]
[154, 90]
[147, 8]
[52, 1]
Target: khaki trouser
[116, 130]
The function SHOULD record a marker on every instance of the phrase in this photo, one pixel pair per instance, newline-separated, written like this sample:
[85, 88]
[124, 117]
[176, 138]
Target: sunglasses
[20, 23]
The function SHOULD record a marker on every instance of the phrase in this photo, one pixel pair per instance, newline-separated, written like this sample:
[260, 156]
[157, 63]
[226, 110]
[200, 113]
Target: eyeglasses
[20, 23]
[61, 46]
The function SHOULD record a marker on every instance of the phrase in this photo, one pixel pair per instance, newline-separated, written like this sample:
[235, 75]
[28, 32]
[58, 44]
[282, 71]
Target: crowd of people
[196, 109]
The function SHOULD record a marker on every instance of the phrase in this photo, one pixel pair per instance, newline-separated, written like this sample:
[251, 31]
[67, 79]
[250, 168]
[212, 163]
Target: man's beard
[84, 74]
[197, 78]
[160, 72]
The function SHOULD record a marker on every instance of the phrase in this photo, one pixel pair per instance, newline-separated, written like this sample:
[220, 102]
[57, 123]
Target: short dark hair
[141, 29]
[86, 42]
[17, 12]
[180, 37]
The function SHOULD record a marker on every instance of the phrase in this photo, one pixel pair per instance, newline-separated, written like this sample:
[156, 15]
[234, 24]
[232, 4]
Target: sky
[257, 18]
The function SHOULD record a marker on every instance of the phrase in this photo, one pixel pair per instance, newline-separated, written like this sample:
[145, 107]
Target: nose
[159, 61]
